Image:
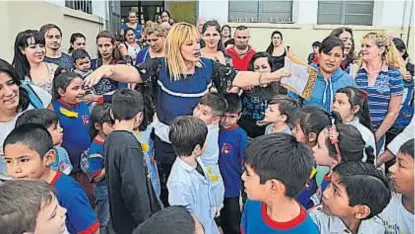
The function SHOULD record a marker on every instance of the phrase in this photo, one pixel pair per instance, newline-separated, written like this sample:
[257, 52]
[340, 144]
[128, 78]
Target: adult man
[241, 52]
[53, 40]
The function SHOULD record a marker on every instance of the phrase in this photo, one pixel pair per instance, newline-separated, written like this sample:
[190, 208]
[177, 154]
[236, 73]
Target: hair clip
[334, 137]
[364, 94]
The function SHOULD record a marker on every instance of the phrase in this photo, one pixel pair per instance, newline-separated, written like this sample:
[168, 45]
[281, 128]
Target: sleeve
[79, 211]
[396, 83]
[133, 186]
[95, 164]
[150, 70]
[179, 195]
[44, 96]
[244, 218]
[293, 95]
[223, 76]
[161, 130]
[408, 133]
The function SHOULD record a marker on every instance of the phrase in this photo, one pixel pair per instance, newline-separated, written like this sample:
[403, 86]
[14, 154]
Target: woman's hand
[92, 79]
[279, 74]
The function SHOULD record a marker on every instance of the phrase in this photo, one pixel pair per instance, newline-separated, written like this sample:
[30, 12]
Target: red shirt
[240, 64]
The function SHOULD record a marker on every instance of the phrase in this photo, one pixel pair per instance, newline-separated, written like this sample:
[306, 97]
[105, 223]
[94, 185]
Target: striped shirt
[388, 83]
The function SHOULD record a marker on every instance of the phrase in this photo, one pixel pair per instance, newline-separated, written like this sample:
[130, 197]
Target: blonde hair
[152, 27]
[391, 56]
[177, 36]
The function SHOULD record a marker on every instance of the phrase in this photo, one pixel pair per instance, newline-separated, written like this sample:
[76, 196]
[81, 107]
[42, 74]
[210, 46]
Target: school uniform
[367, 135]
[396, 218]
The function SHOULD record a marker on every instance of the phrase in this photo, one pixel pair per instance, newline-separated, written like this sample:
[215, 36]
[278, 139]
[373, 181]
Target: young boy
[49, 120]
[232, 143]
[281, 114]
[131, 196]
[30, 206]
[276, 169]
[357, 193]
[28, 153]
[81, 62]
[188, 183]
[398, 216]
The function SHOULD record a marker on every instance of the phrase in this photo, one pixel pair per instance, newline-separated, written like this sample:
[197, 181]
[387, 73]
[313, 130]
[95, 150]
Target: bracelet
[260, 78]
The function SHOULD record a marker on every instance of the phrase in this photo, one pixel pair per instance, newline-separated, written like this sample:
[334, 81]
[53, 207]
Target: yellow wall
[16, 16]
[300, 37]
[183, 11]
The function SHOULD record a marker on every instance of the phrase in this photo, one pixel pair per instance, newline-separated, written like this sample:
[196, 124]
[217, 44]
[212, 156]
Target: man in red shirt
[241, 52]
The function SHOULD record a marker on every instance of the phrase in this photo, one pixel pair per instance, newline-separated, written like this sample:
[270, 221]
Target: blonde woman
[181, 78]
[379, 75]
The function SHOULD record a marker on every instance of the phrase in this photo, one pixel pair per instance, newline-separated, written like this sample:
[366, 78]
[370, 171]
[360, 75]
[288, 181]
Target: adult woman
[77, 41]
[156, 38]
[346, 35]
[213, 45]
[165, 17]
[132, 23]
[226, 35]
[180, 80]
[379, 76]
[277, 50]
[29, 52]
[130, 44]
[14, 101]
[254, 101]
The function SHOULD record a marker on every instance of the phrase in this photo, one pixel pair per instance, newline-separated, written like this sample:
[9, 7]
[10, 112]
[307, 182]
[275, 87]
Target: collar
[373, 225]
[231, 128]
[67, 104]
[283, 225]
[96, 140]
[334, 77]
[355, 121]
[56, 178]
[186, 166]
[384, 67]
[233, 51]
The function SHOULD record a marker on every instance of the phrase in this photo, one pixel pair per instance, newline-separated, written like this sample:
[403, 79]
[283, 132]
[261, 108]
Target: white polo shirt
[396, 218]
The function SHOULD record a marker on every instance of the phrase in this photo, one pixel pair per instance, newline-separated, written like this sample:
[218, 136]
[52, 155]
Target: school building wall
[16, 16]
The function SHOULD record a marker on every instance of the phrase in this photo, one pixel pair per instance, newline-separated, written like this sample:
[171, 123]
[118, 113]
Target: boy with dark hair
[276, 169]
[131, 196]
[26, 207]
[189, 184]
[313, 56]
[233, 141]
[281, 114]
[357, 193]
[171, 220]
[398, 216]
[49, 120]
[29, 152]
[81, 62]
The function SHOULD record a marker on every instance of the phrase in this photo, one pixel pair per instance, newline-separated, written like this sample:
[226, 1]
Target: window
[260, 11]
[345, 12]
[82, 5]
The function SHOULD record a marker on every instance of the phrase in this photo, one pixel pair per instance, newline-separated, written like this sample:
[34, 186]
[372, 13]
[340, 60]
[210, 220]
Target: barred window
[82, 5]
[345, 12]
[261, 11]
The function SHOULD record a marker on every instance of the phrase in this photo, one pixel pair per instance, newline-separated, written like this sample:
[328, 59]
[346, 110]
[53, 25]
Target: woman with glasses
[346, 35]
[132, 23]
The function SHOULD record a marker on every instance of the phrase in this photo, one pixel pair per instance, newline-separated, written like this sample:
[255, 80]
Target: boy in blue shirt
[233, 141]
[276, 168]
[189, 184]
[28, 153]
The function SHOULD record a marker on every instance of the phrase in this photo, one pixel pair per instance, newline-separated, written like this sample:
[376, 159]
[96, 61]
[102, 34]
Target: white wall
[305, 12]
[213, 9]
[57, 2]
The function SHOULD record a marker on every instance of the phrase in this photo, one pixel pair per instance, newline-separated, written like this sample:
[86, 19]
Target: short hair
[100, 114]
[279, 156]
[46, 27]
[241, 28]
[234, 103]
[33, 136]
[287, 106]
[186, 132]
[365, 185]
[126, 104]
[44, 117]
[316, 44]
[313, 119]
[215, 101]
[62, 81]
[79, 54]
[408, 148]
[171, 220]
[20, 203]
[329, 43]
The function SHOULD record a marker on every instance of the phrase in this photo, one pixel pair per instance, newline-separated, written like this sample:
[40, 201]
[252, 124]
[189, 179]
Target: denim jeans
[102, 206]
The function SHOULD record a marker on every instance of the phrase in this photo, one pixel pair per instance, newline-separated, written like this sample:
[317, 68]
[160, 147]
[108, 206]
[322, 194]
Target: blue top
[388, 83]
[324, 89]
[106, 85]
[137, 30]
[64, 61]
[80, 217]
[310, 188]
[232, 144]
[143, 55]
[74, 120]
[256, 220]
[96, 166]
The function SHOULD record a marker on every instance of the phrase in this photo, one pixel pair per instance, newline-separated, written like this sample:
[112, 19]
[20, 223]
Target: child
[398, 216]
[81, 62]
[49, 120]
[357, 193]
[351, 104]
[189, 184]
[232, 143]
[131, 196]
[100, 127]
[281, 113]
[29, 152]
[313, 57]
[276, 169]
[73, 114]
[26, 207]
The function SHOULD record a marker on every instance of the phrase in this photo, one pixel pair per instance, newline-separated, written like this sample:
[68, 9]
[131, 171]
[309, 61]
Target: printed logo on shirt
[226, 148]
[392, 228]
[85, 120]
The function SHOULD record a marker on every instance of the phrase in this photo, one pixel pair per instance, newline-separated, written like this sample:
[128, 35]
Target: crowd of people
[181, 128]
